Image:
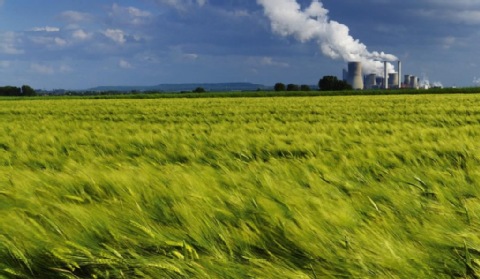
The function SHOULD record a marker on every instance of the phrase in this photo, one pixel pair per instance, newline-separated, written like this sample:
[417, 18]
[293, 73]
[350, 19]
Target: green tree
[10, 91]
[199, 90]
[279, 87]
[28, 91]
[332, 83]
[304, 87]
[293, 87]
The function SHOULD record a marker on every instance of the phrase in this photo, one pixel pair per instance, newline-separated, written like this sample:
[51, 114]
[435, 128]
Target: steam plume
[288, 19]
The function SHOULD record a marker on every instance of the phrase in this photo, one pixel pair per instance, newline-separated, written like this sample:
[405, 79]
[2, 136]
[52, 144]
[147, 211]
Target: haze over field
[82, 44]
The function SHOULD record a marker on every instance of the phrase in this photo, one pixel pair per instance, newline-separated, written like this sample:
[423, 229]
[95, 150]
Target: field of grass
[307, 187]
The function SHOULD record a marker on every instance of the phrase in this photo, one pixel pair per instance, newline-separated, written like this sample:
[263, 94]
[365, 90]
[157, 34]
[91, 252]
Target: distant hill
[215, 87]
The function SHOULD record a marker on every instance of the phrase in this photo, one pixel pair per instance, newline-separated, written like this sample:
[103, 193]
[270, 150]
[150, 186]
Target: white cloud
[129, 15]
[5, 64]
[190, 56]
[9, 42]
[468, 17]
[124, 64]
[42, 69]
[116, 35]
[448, 42]
[268, 61]
[65, 69]
[458, 11]
[75, 17]
[60, 42]
[46, 29]
[49, 42]
[201, 2]
[182, 4]
[81, 35]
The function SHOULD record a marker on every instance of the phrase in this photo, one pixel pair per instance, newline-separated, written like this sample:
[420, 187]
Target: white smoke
[425, 83]
[476, 81]
[288, 19]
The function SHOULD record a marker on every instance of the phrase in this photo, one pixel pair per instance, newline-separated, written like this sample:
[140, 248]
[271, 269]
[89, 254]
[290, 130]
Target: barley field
[306, 187]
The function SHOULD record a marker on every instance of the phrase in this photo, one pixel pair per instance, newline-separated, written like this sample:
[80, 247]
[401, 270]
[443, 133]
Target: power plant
[354, 76]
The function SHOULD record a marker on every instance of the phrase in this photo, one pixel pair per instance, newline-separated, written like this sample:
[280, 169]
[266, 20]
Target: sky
[79, 44]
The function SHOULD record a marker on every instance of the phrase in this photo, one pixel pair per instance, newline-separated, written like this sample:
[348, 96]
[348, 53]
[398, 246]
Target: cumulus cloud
[42, 69]
[65, 69]
[124, 64]
[190, 56]
[5, 64]
[448, 42]
[46, 29]
[81, 35]
[129, 15]
[116, 35]
[9, 42]
[313, 23]
[182, 4]
[268, 61]
[75, 17]
[48, 41]
[462, 16]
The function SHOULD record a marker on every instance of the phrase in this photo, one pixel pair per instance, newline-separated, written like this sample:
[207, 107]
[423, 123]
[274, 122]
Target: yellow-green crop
[307, 187]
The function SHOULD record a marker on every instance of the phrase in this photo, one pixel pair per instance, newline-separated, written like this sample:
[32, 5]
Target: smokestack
[385, 75]
[399, 74]
[355, 77]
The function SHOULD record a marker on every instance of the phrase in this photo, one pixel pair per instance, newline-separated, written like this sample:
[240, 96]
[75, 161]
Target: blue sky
[76, 44]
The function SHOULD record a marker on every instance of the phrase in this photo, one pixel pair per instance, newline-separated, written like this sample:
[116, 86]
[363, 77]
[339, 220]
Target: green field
[307, 187]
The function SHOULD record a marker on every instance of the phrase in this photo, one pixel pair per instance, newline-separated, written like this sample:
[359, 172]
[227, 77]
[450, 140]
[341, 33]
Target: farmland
[307, 187]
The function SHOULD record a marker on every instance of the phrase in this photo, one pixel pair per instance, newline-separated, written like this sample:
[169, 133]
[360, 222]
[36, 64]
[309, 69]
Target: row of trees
[25, 90]
[332, 83]
[291, 87]
[327, 83]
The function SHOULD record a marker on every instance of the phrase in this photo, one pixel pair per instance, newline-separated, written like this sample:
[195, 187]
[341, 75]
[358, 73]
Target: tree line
[327, 83]
[25, 90]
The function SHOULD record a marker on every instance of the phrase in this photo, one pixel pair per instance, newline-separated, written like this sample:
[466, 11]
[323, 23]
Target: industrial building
[354, 76]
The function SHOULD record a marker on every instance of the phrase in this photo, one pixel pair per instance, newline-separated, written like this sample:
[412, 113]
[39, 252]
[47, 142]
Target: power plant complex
[354, 76]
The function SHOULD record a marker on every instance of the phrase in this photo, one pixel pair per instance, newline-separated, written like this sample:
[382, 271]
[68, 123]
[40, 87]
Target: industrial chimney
[399, 74]
[355, 77]
[385, 75]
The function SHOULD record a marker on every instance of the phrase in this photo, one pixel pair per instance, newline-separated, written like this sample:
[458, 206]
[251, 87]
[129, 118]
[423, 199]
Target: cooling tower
[355, 77]
[371, 81]
[413, 82]
[406, 81]
[379, 81]
[393, 80]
